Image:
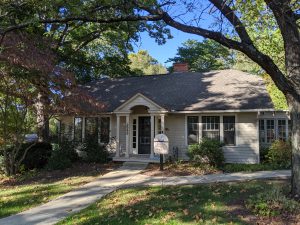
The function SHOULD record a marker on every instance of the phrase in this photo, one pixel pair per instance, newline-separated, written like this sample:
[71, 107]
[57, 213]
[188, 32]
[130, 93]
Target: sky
[163, 52]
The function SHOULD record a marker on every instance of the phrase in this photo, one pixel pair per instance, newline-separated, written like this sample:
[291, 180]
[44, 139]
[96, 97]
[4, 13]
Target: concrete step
[136, 165]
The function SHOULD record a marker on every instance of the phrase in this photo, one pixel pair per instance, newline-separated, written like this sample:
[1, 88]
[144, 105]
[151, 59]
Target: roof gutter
[226, 111]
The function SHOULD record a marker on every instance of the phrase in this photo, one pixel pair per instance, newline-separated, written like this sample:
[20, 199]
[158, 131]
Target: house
[229, 105]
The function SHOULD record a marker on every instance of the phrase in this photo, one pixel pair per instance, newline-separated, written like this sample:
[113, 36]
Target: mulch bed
[44, 176]
[178, 169]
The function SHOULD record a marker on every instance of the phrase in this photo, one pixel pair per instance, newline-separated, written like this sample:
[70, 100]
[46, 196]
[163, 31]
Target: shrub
[208, 151]
[2, 166]
[263, 151]
[37, 156]
[280, 153]
[272, 202]
[94, 151]
[63, 156]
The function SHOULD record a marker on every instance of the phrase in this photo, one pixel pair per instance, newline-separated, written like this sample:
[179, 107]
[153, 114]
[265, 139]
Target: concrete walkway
[143, 180]
[74, 201]
[127, 176]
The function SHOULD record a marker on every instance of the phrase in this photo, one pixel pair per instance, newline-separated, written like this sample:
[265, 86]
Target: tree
[91, 38]
[142, 63]
[228, 28]
[15, 121]
[236, 36]
[204, 56]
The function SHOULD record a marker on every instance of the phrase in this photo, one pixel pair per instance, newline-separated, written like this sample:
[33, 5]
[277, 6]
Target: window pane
[229, 130]
[193, 131]
[104, 129]
[270, 131]
[262, 131]
[211, 127]
[281, 130]
[78, 129]
[91, 127]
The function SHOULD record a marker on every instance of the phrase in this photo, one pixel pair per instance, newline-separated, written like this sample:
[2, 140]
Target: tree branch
[249, 49]
[233, 19]
[130, 18]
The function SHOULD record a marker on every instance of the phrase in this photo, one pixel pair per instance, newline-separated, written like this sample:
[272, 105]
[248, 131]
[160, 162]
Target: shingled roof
[188, 91]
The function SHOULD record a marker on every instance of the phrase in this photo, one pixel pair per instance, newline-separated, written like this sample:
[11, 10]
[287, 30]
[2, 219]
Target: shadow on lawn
[79, 169]
[211, 204]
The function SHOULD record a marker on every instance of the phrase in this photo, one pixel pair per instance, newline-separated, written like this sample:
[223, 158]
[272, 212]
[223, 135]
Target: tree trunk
[294, 106]
[42, 115]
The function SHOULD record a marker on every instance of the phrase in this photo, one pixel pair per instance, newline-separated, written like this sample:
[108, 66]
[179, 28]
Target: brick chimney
[180, 67]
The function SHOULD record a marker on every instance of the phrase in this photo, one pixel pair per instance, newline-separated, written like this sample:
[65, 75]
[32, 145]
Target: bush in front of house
[272, 202]
[280, 153]
[37, 156]
[63, 155]
[94, 151]
[208, 151]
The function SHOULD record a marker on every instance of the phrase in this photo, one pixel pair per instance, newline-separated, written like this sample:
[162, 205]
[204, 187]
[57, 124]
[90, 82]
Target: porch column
[118, 137]
[162, 123]
[127, 136]
[152, 136]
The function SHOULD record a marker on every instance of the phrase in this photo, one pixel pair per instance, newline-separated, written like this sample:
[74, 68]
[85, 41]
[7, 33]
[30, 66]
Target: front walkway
[126, 176]
[74, 201]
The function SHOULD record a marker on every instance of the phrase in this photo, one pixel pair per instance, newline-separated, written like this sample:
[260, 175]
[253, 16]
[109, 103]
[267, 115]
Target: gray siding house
[229, 105]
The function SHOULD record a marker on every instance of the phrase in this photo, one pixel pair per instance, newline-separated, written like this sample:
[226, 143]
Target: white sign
[161, 144]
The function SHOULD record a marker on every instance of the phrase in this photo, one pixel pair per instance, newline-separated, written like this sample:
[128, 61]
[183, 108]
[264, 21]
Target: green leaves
[141, 63]
[204, 56]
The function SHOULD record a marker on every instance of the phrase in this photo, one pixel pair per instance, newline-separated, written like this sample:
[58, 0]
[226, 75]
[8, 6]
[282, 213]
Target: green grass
[34, 188]
[14, 199]
[233, 168]
[199, 204]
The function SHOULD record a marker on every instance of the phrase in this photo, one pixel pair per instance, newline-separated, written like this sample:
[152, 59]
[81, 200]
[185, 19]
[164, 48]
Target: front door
[144, 134]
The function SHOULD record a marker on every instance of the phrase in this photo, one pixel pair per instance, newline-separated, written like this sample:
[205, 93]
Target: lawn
[26, 191]
[198, 204]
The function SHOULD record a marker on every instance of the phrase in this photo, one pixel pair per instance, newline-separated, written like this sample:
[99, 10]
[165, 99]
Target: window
[91, 127]
[229, 130]
[281, 129]
[270, 131]
[104, 129]
[78, 129]
[262, 131]
[192, 129]
[211, 127]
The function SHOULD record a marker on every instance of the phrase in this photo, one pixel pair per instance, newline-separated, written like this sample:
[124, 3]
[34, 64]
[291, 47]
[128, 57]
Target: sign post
[161, 147]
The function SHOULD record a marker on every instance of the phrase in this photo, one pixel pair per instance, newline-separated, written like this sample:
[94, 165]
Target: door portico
[143, 120]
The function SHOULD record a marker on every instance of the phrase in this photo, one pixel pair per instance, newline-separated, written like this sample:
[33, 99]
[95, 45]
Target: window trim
[85, 127]
[81, 129]
[199, 126]
[235, 132]
[275, 129]
[221, 126]
[99, 128]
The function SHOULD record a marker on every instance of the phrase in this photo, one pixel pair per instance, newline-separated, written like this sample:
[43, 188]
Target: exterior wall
[246, 149]
[175, 127]
[247, 141]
